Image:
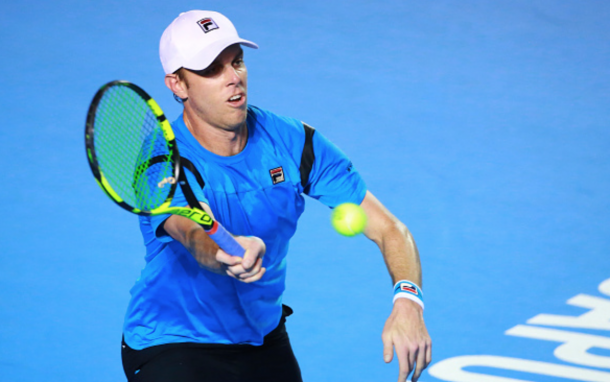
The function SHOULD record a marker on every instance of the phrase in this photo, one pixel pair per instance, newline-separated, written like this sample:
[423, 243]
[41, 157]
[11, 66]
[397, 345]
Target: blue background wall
[481, 125]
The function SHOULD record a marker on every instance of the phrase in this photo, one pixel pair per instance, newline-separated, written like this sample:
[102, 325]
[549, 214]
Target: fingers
[247, 269]
[242, 273]
[402, 355]
[250, 258]
[406, 359]
[420, 364]
[418, 358]
[237, 268]
[388, 350]
[253, 271]
[255, 249]
[411, 357]
[225, 258]
[255, 277]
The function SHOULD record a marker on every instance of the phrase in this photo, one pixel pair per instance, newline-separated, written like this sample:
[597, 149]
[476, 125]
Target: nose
[233, 78]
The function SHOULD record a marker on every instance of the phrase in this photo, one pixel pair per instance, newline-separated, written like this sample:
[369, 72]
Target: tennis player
[200, 314]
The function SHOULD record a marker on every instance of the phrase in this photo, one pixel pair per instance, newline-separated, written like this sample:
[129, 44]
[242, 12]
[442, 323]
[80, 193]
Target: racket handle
[225, 240]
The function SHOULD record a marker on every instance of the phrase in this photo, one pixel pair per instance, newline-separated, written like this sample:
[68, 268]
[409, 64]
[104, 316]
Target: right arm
[209, 255]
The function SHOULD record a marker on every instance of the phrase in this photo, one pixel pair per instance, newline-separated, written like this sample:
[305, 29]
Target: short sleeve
[177, 201]
[333, 179]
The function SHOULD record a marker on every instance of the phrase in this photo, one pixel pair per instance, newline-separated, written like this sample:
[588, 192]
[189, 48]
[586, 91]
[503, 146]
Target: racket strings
[131, 150]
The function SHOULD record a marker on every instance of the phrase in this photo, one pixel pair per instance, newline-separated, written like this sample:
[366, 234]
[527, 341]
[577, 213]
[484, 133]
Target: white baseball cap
[195, 38]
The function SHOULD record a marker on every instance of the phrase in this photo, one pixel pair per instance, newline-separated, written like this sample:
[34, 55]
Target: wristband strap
[409, 290]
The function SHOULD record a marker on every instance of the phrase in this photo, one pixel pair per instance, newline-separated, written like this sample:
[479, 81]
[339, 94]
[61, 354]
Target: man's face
[217, 95]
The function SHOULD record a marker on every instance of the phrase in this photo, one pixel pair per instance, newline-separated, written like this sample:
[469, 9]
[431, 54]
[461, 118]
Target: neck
[223, 142]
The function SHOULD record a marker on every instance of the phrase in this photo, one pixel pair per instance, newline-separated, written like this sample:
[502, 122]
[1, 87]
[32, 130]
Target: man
[199, 314]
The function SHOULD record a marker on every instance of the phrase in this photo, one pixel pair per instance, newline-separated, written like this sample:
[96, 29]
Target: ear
[177, 86]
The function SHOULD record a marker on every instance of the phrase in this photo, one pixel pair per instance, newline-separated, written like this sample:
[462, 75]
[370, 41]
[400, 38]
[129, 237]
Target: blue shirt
[257, 192]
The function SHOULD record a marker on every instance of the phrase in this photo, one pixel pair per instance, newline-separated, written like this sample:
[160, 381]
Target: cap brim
[204, 58]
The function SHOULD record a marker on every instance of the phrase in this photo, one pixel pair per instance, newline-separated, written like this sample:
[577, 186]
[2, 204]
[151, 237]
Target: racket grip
[225, 240]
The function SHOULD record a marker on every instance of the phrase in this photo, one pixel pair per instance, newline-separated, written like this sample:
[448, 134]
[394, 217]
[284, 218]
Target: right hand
[249, 268]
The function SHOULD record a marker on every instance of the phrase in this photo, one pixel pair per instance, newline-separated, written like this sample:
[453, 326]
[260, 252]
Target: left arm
[405, 330]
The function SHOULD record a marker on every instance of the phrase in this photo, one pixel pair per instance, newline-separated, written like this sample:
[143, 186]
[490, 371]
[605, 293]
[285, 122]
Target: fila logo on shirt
[277, 175]
[408, 288]
[207, 24]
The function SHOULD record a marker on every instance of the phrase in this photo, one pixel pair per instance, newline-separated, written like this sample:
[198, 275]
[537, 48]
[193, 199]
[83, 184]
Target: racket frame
[195, 213]
[168, 133]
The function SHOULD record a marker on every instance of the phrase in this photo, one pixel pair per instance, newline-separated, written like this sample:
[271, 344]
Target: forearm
[400, 254]
[195, 240]
[203, 249]
[209, 256]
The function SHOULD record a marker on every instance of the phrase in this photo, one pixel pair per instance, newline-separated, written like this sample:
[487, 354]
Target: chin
[237, 121]
[241, 115]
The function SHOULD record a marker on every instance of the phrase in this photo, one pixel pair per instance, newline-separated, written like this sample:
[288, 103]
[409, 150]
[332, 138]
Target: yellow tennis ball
[348, 219]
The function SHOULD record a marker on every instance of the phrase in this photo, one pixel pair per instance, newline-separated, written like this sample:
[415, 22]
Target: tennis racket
[134, 158]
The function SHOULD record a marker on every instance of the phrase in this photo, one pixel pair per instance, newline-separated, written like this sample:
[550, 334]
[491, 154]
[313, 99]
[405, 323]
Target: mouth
[237, 100]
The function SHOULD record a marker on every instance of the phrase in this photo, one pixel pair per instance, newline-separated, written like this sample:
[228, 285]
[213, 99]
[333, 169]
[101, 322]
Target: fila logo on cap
[207, 24]
[277, 175]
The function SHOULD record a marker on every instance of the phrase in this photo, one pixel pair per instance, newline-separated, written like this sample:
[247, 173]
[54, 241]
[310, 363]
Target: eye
[238, 62]
[210, 71]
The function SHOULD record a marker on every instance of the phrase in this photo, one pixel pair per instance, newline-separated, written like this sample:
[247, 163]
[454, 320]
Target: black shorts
[193, 362]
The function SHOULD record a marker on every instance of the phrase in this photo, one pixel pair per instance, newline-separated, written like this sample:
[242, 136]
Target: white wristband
[409, 290]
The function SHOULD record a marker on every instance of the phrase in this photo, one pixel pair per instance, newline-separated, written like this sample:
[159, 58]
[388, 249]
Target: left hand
[250, 268]
[406, 332]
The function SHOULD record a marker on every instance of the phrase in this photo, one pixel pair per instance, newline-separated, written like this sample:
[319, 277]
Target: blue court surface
[483, 125]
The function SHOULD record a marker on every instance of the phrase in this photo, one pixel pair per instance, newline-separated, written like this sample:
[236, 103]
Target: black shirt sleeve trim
[307, 158]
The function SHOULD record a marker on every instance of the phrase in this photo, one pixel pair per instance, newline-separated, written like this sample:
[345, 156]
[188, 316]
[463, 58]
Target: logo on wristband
[408, 288]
